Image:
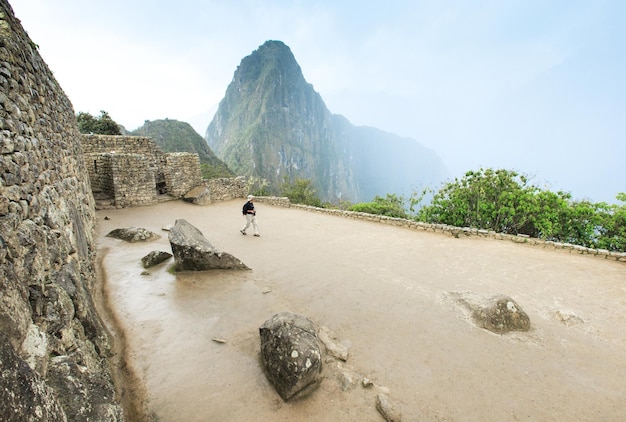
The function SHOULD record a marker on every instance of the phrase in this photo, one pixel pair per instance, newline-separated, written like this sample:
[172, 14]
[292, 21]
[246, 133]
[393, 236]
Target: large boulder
[200, 195]
[292, 354]
[193, 252]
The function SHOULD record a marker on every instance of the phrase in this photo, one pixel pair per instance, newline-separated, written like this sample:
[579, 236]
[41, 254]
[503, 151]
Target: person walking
[250, 213]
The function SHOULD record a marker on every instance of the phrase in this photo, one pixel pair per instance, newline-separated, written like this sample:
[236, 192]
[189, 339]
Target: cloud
[527, 85]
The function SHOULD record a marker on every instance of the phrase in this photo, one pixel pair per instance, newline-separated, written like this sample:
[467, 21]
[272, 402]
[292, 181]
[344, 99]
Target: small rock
[155, 258]
[366, 383]
[388, 408]
[334, 349]
[133, 234]
[499, 314]
[219, 340]
[568, 318]
[348, 379]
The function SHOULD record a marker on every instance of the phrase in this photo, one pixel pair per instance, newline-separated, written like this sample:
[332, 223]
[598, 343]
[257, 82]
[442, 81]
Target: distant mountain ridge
[272, 124]
[175, 136]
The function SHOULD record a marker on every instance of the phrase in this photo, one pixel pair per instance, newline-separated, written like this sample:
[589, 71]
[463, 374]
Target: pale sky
[535, 86]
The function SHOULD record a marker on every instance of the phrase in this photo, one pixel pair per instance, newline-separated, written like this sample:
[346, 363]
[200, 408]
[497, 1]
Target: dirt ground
[384, 292]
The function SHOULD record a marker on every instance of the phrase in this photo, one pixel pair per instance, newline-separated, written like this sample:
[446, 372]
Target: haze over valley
[534, 87]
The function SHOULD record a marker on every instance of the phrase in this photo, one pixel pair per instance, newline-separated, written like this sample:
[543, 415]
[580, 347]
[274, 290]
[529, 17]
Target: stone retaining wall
[225, 189]
[445, 229]
[53, 344]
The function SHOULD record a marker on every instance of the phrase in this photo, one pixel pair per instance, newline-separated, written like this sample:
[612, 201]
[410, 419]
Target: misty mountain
[272, 124]
[176, 136]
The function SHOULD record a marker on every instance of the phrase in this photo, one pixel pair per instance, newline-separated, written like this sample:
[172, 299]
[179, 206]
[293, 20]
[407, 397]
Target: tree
[490, 199]
[301, 191]
[392, 206]
[504, 201]
[102, 125]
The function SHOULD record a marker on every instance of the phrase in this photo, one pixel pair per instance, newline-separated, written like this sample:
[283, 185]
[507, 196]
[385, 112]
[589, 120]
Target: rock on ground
[499, 313]
[200, 195]
[193, 252]
[291, 353]
[155, 258]
[133, 234]
[388, 408]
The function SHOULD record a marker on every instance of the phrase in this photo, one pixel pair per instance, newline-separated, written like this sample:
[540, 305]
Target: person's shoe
[242, 232]
[257, 235]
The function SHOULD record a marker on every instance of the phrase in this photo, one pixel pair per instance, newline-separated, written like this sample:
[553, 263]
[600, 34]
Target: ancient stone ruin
[126, 171]
[53, 344]
[132, 170]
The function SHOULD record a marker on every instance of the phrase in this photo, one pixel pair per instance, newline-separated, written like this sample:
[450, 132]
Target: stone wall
[142, 145]
[181, 172]
[134, 181]
[445, 229]
[53, 345]
[101, 181]
[225, 189]
[132, 170]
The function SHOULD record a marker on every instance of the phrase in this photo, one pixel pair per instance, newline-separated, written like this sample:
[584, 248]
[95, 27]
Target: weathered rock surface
[193, 252]
[388, 408]
[332, 347]
[47, 249]
[200, 195]
[155, 258]
[24, 394]
[133, 234]
[499, 313]
[292, 354]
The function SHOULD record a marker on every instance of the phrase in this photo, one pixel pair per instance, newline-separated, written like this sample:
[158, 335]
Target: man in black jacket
[250, 214]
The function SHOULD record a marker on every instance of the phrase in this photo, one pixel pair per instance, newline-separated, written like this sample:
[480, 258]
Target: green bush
[392, 206]
[504, 201]
[102, 125]
[301, 191]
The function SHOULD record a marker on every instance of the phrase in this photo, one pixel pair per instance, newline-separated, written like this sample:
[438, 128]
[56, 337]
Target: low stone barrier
[445, 229]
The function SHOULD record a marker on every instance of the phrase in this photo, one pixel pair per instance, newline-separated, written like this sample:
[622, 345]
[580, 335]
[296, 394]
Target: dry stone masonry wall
[132, 170]
[448, 230]
[181, 172]
[53, 345]
[225, 189]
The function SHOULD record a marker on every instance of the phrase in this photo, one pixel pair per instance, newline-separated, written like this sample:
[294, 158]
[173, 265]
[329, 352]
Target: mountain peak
[274, 126]
[272, 59]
